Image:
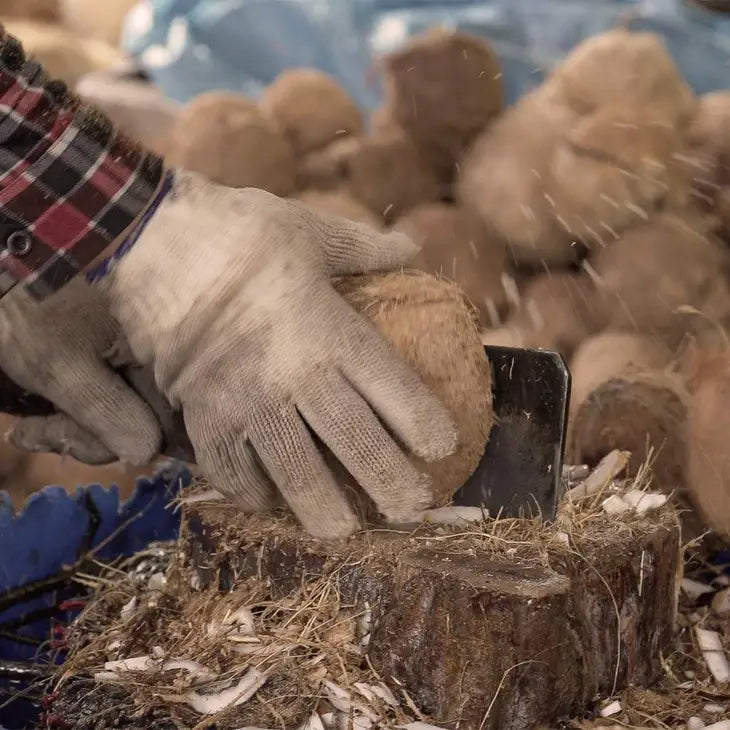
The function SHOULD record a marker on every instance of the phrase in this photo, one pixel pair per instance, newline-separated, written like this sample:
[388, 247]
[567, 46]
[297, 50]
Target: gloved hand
[227, 295]
[58, 348]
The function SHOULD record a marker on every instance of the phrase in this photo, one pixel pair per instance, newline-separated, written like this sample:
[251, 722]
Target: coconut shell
[326, 168]
[312, 109]
[656, 274]
[707, 157]
[707, 430]
[555, 312]
[624, 68]
[623, 398]
[388, 175]
[443, 88]
[429, 323]
[455, 243]
[586, 155]
[225, 137]
[504, 178]
[338, 203]
[63, 55]
[100, 19]
[30, 9]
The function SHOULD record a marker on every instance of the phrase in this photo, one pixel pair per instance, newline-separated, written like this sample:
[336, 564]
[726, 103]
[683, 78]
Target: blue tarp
[192, 46]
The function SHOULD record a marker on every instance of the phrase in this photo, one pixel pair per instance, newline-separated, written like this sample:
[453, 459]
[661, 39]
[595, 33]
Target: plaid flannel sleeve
[71, 187]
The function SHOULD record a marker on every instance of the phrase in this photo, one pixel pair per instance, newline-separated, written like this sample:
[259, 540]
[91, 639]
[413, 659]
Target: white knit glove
[58, 348]
[227, 295]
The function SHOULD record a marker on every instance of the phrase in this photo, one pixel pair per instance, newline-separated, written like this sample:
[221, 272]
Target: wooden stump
[498, 627]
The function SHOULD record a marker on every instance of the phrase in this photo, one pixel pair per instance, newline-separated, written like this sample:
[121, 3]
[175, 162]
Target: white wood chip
[722, 725]
[611, 709]
[419, 726]
[128, 608]
[614, 505]
[721, 602]
[314, 722]
[695, 588]
[610, 466]
[211, 495]
[242, 691]
[695, 723]
[454, 515]
[714, 655]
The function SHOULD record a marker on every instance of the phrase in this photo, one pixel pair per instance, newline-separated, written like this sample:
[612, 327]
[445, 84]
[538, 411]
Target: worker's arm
[226, 295]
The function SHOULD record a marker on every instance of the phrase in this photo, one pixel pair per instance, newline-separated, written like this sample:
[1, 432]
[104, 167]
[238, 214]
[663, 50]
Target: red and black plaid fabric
[71, 187]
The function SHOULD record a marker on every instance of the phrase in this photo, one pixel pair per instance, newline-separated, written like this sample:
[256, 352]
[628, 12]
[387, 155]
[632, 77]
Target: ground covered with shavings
[204, 655]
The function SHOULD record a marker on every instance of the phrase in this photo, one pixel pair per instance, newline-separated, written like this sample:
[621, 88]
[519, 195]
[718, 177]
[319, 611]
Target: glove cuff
[71, 186]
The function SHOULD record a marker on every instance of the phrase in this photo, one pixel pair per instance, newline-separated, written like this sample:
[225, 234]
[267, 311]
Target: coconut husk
[642, 73]
[430, 324]
[554, 311]
[666, 277]
[623, 397]
[443, 88]
[225, 137]
[707, 157]
[312, 108]
[62, 54]
[455, 243]
[578, 160]
[326, 168]
[388, 175]
[504, 177]
[339, 203]
[709, 461]
[94, 19]
[30, 9]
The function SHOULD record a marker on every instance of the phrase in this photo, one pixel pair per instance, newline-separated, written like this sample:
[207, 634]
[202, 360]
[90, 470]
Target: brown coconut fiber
[388, 175]
[30, 9]
[707, 436]
[225, 137]
[658, 276]
[62, 54]
[312, 109]
[326, 168]
[556, 311]
[339, 203]
[429, 322]
[443, 88]
[456, 244]
[625, 398]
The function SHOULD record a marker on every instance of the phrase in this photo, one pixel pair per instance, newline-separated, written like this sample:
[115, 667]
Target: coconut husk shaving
[309, 645]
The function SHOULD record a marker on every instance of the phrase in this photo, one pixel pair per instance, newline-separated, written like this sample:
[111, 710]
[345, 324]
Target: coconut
[707, 157]
[312, 109]
[338, 203]
[504, 177]
[443, 88]
[430, 324]
[102, 20]
[623, 397]
[553, 311]
[709, 459]
[388, 175]
[584, 156]
[455, 244]
[62, 54]
[225, 137]
[30, 9]
[657, 277]
[327, 168]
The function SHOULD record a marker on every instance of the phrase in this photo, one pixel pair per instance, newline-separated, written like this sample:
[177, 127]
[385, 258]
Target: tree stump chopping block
[502, 626]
